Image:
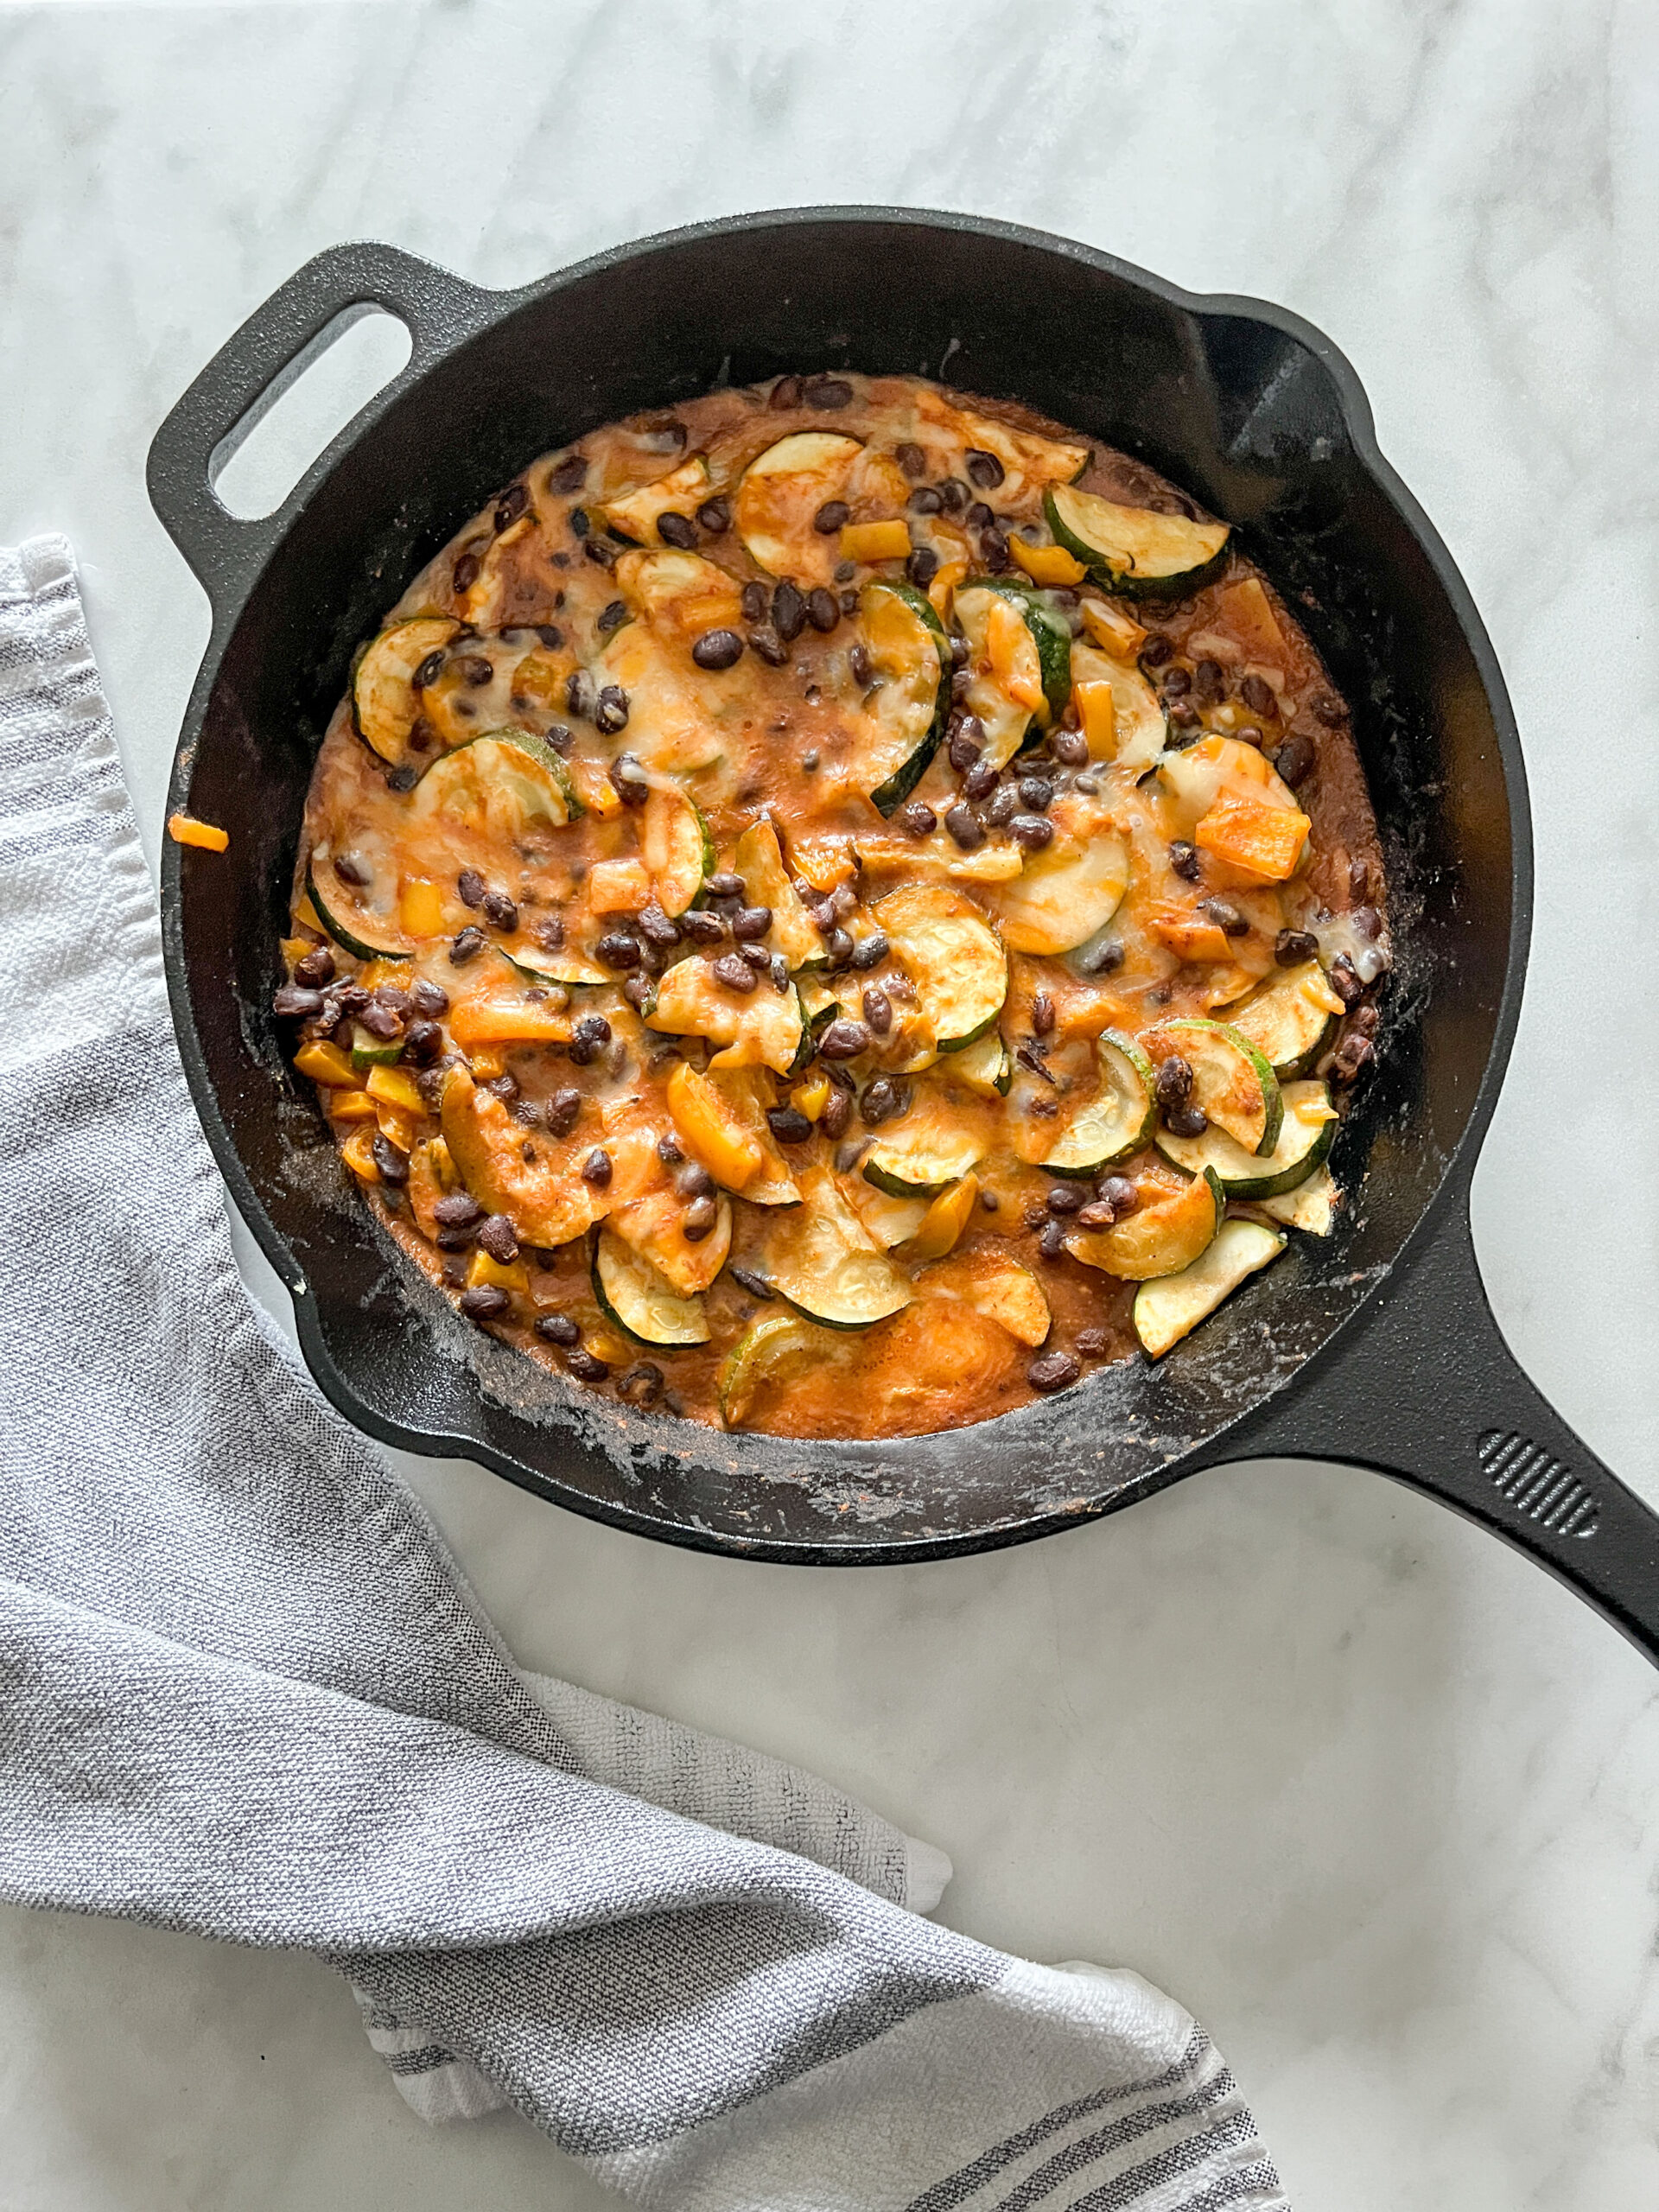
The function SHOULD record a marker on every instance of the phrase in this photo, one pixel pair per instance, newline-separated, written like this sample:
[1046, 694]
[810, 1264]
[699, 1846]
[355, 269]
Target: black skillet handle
[1430, 1393]
[257, 365]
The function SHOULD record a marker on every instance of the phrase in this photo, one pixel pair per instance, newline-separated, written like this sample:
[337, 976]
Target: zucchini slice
[369, 1051]
[779, 496]
[347, 939]
[545, 1199]
[675, 847]
[953, 956]
[653, 1226]
[822, 1259]
[747, 1093]
[778, 1347]
[1311, 1207]
[570, 968]
[986, 1065]
[926, 1149]
[504, 785]
[1305, 1138]
[890, 1221]
[636, 514]
[757, 1028]
[1170, 1308]
[1196, 777]
[1160, 1237]
[385, 702]
[1232, 1079]
[1019, 661]
[905, 715]
[632, 1294]
[1133, 551]
[1118, 1121]
[1292, 1017]
[1064, 894]
[1139, 725]
[995, 1286]
[760, 860]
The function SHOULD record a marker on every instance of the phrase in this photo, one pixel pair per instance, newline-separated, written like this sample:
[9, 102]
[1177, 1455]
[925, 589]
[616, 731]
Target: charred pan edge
[443, 314]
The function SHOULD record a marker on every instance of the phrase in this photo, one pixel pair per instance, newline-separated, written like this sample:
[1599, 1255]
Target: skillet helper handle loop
[257, 365]
[1430, 1394]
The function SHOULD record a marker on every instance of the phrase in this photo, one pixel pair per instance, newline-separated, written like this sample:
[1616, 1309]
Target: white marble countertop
[1371, 1794]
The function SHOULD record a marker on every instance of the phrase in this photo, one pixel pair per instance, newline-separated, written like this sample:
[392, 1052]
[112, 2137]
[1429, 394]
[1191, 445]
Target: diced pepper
[1114, 632]
[185, 829]
[394, 1088]
[617, 886]
[352, 1106]
[875, 541]
[1250, 834]
[1189, 935]
[1096, 705]
[488, 1063]
[1248, 613]
[942, 590]
[325, 1064]
[421, 907]
[482, 1269]
[1047, 564]
[944, 1221]
[711, 1130]
[594, 788]
[295, 948]
[812, 1097]
[357, 1153]
[395, 1123]
[825, 862]
[1011, 653]
[498, 1021]
[307, 916]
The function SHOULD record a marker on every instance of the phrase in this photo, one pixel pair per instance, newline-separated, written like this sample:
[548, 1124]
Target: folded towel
[245, 1692]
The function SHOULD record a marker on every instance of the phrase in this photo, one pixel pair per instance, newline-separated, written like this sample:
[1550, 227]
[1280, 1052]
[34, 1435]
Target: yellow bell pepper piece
[943, 589]
[711, 1131]
[357, 1153]
[619, 887]
[1012, 656]
[325, 1064]
[481, 1269]
[1099, 713]
[812, 1097]
[1047, 564]
[185, 829]
[398, 1127]
[944, 1221]
[1112, 632]
[392, 1087]
[352, 1106]
[875, 541]
[421, 907]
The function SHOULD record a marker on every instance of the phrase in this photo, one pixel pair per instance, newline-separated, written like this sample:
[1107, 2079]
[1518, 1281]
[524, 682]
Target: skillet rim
[1439, 1215]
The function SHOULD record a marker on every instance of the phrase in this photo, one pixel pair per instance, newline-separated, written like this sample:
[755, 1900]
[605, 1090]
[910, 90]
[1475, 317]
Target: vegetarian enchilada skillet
[1372, 1344]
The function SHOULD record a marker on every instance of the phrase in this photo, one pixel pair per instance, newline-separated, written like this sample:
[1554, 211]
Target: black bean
[1033, 831]
[1354, 1053]
[1292, 947]
[1003, 805]
[838, 945]
[464, 575]
[777, 973]
[350, 869]
[293, 1002]
[611, 617]
[1367, 921]
[1156, 651]
[979, 517]
[581, 694]
[589, 1038]
[788, 612]
[1120, 1192]
[629, 781]
[1187, 1121]
[716, 515]
[460, 1210]
[958, 651]
[724, 883]
[965, 827]
[1184, 859]
[500, 909]
[1226, 916]
[314, 968]
[611, 714]
[922, 567]
[966, 742]
[859, 663]
[505, 1087]
[668, 1149]
[822, 609]
[429, 671]
[585, 1365]
[786, 392]
[391, 1159]
[1178, 681]
[830, 516]
[1330, 711]
[870, 951]
[676, 530]
[423, 1043]
[919, 818]
[1344, 980]
[1054, 1370]
[788, 1124]
[1069, 747]
[558, 1329]
[734, 972]
[754, 602]
[1066, 1198]
[702, 926]
[429, 999]
[616, 949]
[757, 955]
[1185, 716]
[750, 923]
[486, 1301]
[639, 991]
[380, 1022]
[568, 474]
[558, 737]
[1247, 733]
[1174, 1081]
[1042, 1014]
[924, 499]
[579, 523]
[694, 1180]
[1036, 792]
[699, 1219]
[980, 781]
[1051, 1240]
[596, 1168]
[1097, 1214]
[475, 669]
[642, 1385]
[718, 649]
[495, 1235]
[1294, 759]
[1208, 681]
[837, 1113]
[830, 393]
[995, 552]
[844, 1039]
[349, 997]
[1257, 694]
[766, 643]
[563, 1111]
[757, 1286]
[983, 468]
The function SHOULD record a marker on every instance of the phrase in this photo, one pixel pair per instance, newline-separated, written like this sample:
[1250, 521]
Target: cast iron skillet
[1376, 1345]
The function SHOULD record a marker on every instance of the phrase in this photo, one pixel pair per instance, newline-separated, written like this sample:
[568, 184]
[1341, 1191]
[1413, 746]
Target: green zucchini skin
[889, 795]
[1122, 584]
[1050, 633]
[1242, 1175]
[359, 947]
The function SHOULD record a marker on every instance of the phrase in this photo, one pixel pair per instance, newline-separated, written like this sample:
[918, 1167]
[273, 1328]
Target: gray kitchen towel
[245, 1692]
